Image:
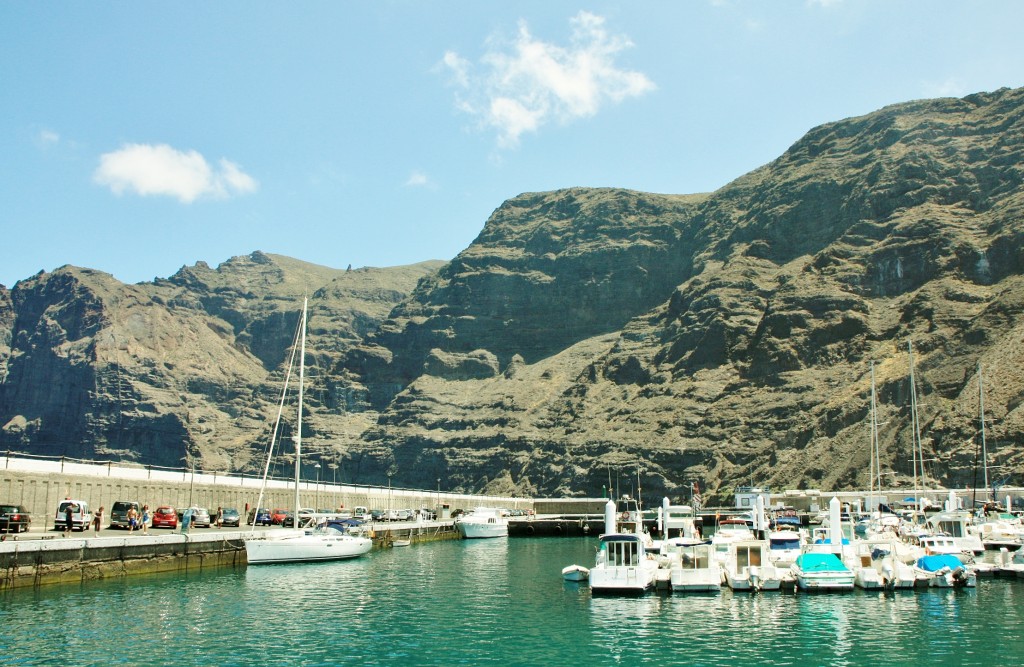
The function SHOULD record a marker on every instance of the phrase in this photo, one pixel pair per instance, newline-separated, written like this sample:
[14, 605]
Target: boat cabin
[622, 550]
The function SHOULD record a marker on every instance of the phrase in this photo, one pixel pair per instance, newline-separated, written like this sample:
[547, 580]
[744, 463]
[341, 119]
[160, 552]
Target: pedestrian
[132, 517]
[145, 519]
[219, 519]
[69, 513]
[97, 521]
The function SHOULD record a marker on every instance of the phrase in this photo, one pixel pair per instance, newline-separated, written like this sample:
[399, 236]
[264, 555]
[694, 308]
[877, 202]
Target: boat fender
[558, 527]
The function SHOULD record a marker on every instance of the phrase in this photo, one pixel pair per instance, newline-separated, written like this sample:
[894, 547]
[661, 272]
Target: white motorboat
[575, 573]
[956, 524]
[623, 566]
[817, 571]
[692, 565]
[748, 567]
[784, 546]
[944, 571]
[482, 522]
[876, 565]
[309, 544]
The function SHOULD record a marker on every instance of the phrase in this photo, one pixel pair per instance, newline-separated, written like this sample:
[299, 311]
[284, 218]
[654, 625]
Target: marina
[499, 601]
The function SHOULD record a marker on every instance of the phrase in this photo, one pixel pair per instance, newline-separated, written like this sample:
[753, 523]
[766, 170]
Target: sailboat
[310, 543]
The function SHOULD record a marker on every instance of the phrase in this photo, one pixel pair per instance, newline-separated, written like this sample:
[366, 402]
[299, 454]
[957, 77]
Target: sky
[137, 138]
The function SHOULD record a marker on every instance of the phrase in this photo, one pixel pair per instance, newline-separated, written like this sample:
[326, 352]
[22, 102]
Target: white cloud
[525, 84]
[154, 170]
[951, 87]
[47, 138]
[418, 179]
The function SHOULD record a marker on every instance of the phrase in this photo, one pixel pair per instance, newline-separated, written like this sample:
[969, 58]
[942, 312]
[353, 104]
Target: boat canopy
[620, 537]
[939, 561]
[815, 562]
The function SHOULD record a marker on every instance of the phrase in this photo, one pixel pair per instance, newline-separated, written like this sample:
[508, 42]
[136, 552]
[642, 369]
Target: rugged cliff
[587, 334]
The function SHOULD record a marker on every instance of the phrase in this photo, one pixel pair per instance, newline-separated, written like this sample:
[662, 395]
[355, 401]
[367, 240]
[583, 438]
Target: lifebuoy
[624, 516]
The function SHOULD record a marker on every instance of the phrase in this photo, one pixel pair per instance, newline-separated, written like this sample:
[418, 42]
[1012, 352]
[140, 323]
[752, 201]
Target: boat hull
[472, 530]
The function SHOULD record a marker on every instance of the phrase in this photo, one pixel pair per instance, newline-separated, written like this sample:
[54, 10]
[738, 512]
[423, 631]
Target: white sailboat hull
[304, 548]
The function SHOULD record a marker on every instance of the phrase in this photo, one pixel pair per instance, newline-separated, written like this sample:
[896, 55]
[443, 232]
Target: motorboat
[876, 565]
[784, 545]
[482, 522]
[306, 543]
[624, 565]
[956, 524]
[944, 571]
[748, 567]
[822, 571]
[575, 573]
[692, 566]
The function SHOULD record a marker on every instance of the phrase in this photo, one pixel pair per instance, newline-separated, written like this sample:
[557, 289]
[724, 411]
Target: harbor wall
[28, 563]
[40, 485]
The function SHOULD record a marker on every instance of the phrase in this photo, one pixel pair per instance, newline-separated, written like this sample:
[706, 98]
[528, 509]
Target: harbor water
[491, 602]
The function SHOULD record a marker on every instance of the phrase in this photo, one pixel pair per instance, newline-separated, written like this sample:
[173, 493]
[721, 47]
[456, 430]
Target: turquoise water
[491, 602]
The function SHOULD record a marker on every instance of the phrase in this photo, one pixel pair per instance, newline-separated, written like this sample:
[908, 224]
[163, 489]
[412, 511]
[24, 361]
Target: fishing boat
[309, 543]
[575, 573]
[816, 571]
[482, 522]
[748, 567]
[692, 565]
[624, 566]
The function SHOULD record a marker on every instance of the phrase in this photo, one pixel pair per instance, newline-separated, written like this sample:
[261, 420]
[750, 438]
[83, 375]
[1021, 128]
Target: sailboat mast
[298, 432]
[874, 462]
[917, 432]
[984, 449]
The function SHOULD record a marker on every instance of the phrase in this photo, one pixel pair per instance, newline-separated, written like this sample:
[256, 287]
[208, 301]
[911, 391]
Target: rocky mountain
[596, 337]
[185, 370]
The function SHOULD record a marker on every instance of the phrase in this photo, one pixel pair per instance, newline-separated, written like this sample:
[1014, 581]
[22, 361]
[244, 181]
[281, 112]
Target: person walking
[145, 519]
[219, 518]
[69, 514]
[97, 521]
[132, 517]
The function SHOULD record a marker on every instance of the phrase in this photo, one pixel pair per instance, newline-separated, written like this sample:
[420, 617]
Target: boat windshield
[785, 543]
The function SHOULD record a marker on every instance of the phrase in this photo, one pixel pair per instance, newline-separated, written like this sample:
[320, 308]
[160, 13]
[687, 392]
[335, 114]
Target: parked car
[165, 517]
[377, 515]
[14, 518]
[200, 517]
[81, 518]
[119, 513]
[277, 516]
[304, 514]
[229, 517]
[259, 517]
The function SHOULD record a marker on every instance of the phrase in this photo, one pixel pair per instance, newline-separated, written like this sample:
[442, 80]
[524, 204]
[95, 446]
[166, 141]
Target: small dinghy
[575, 573]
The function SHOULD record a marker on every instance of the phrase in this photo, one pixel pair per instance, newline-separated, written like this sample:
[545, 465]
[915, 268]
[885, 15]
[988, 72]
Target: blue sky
[139, 137]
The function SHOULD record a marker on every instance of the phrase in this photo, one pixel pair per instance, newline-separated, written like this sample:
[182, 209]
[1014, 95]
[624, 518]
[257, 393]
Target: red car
[165, 517]
[277, 517]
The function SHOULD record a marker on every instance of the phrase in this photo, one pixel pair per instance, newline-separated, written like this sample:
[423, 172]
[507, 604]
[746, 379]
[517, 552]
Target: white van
[80, 515]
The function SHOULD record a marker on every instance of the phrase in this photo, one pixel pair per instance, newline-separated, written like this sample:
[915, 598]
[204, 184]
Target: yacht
[748, 567]
[482, 522]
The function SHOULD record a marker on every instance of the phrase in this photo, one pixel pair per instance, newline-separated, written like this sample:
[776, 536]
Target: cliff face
[868, 234]
[587, 334]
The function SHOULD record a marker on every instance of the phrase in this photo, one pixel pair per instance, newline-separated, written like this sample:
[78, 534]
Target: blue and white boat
[815, 571]
[944, 571]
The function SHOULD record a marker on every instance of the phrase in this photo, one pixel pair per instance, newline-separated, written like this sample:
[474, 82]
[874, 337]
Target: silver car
[200, 517]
